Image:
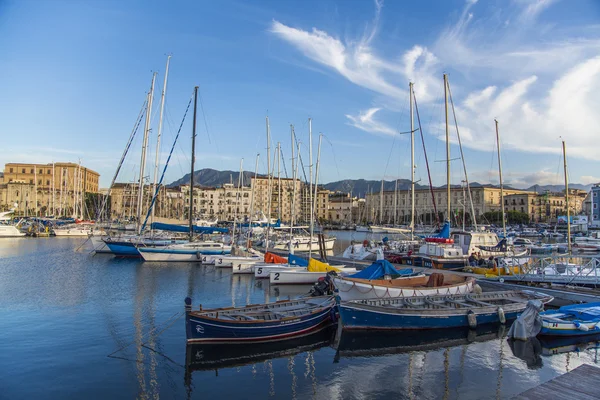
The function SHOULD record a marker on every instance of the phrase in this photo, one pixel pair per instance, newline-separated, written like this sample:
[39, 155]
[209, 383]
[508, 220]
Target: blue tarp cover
[299, 261]
[379, 269]
[184, 229]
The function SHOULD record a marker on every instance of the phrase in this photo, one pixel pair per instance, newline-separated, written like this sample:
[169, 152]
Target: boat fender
[477, 289]
[472, 318]
[581, 326]
[333, 315]
[501, 316]
[198, 255]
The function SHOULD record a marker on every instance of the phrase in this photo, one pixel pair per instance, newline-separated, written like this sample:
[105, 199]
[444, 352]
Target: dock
[581, 384]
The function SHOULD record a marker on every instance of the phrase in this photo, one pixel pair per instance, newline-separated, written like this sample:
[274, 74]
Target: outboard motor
[324, 286]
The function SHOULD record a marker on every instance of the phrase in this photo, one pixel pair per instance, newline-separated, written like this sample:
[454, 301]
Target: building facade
[47, 189]
[595, 206]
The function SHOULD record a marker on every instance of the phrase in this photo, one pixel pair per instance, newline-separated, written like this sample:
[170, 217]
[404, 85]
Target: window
[22, 170]
[48, 183]
[31, 181]
[41, 171]
[595, 206]
[31, 171]
[11, 170]
[48, 172]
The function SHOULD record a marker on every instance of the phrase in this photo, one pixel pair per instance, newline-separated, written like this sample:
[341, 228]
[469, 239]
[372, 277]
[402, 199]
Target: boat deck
[581, 384]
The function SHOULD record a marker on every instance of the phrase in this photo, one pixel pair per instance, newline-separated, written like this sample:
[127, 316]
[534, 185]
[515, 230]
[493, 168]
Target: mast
[279, 180]
[143, 160]
[310, 194]
[501, 187]
[252, 201]
[412, 164]
[447, 146]
[36, 190]
[160, 125]
[268, 172]
[314, 205]
[237, 202]
[293, 177]
[190, 213]
[396, 203]
[381, 204]
[53, 192]
[567, 197]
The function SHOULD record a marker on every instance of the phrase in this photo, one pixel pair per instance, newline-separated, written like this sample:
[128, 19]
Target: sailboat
[191, 250]
[7, 229]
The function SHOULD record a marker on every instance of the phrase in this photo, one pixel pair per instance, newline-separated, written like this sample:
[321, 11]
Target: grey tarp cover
[529, 323]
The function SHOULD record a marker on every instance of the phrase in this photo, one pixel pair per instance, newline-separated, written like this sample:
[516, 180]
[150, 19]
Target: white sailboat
[7, 229]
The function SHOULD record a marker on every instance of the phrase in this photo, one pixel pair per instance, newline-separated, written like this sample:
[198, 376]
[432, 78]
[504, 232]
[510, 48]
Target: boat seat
[483, 303]
[433, 303]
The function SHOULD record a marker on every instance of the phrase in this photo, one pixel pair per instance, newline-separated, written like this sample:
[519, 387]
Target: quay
[580, 383]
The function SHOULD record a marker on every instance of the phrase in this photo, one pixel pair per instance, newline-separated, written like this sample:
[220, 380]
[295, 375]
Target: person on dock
[480, 260]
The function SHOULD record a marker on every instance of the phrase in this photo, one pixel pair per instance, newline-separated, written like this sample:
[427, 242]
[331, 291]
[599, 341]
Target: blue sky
[75, 75]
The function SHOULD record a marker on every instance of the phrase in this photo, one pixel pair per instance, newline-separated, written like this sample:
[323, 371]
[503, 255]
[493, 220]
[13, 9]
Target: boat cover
[318, 266]
[499, 248]
[585, 312]
[379, 269]
[185, 229]
[529, 324]
[271, 258]
[295, 260]
[444, 233]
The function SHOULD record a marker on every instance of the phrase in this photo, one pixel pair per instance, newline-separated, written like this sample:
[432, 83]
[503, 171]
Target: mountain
[558, 188]
[359, 187]
[211, 177]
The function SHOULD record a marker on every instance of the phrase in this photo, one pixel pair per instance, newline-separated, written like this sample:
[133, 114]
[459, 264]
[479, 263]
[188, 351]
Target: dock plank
[580, 383]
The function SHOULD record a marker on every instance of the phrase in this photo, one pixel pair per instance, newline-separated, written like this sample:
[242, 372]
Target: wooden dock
[581, 384]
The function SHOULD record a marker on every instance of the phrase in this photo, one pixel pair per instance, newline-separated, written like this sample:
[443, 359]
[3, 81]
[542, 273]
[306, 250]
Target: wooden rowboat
[259, 323]
[436, 312]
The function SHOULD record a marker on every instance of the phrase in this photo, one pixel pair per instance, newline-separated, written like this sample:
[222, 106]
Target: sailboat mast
[501, 186]
[447, 146]
[160, 126]
[143, 160]
[381, 203]
[279, 180]
[313, 206]
[237, 202]
[293, 177]
[268, 172]
[191, 213]
[310, 179]
[252, 202]
[412, 164]
[567, 197]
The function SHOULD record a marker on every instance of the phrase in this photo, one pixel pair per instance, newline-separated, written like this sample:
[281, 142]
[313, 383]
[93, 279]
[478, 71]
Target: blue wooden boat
[259, 323]
[573, 320]
[436, 312]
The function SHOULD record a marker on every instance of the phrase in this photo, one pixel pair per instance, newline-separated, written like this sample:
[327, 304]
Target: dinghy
[382, 280]
[262, 322]
[573, 320]
[436, 312]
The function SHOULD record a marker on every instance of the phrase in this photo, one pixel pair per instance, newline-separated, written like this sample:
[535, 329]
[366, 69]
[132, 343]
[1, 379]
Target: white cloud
[364, 121]
[541, 91]
[588, 180]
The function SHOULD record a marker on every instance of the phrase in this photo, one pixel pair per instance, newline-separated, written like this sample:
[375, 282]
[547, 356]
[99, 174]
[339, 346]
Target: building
[545, 207]
[395, 207]
[282, 198]
[47, 189]
[341, 208]
[595, 206]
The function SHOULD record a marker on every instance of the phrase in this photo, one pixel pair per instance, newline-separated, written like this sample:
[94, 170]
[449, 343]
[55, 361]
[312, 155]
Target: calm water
[62, 312]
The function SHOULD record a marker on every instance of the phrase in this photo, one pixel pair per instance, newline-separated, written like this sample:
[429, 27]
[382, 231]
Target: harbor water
[78, 325]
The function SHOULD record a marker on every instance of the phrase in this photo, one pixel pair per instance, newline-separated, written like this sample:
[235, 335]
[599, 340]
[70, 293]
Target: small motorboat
[573, 320]
[437, 312]
[259, 322]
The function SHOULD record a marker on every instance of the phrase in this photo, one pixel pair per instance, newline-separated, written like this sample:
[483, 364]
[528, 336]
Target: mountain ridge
[209, 177]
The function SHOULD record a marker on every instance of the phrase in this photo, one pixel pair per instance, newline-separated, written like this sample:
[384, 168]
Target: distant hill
[211, 177]
[358, 187]
[558, 188]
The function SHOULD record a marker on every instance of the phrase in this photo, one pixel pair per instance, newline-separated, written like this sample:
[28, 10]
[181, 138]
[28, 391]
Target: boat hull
[10, 231]
[353, 318]
[262, 271]
[569, 329]
[158, 254]
[216, 331]
[352, 290]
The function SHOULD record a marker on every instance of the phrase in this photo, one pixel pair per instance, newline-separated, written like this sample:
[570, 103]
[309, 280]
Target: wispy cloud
[588, 180]
[365, 122]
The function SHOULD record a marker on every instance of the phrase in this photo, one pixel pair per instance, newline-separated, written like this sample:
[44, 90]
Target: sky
[75, 75]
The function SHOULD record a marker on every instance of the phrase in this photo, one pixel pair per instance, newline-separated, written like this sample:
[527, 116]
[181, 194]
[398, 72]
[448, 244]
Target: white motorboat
[303, 244]
[263, 271]
[75, 230]
[363, 252]
[7, 229]
[303, 276]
